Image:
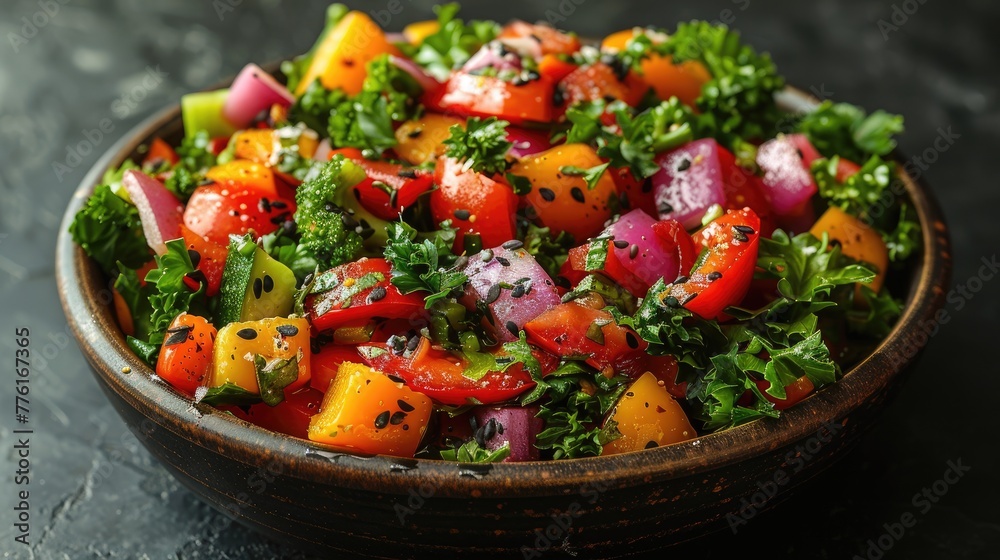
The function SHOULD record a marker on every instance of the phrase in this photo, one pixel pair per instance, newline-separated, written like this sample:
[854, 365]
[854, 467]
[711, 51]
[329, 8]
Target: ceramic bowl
[385, 507]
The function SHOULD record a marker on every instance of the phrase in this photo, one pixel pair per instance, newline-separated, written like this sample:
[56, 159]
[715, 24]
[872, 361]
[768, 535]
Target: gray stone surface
[96, 495]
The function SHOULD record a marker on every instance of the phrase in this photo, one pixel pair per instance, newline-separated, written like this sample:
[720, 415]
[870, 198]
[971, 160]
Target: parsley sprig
[482, 144]
[426, 265]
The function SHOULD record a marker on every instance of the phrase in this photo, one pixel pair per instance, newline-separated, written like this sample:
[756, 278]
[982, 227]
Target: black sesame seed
[378, 293]
[548, 194]
[665, 208]
[630, 394]
[563, 282]
[631, 340]
[348, 221]
[195, 257]
[405, 406]
[268, 284]
[264, 205]
[490, 429]
[713, 276]
[740, 236]
[287, 330]
[503, 261]
[621, 243]
[415, 133]
[685, 164]
[493, 293]
[671, 301]
[688, 299]
[462, 214]
[681, 280]
[412, 344]
[633, 251]
[247, 334]
[397, 418]
[382, 420]
[177, 337]
[518, 291]
[558, 96]
[513, 244]
[258, 288]
[744, 229]
[396, 379]
[511, 327]
[279, 205]
[577, 194]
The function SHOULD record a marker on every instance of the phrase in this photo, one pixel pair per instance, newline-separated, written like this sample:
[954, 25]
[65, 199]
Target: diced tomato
[486, 96]
[597, 81]
[474, 203]
[632, 192]
[846, 168]
[575, 268]
[291, 416]
[554, 68]
[550, 40]
[743, 189]
[353, 300]
[211, 259]
[159, 151]
[218, 145]
[217, 211]
[438, 374]
[664, 368]
[723, 277]
[186, 355]
[573, 330]
[405, 184]
[794, 392]
[326, 362]
[674, 234]
[246, 174]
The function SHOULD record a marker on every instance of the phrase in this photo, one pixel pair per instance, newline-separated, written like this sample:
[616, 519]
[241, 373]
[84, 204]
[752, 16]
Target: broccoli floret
[333, 226]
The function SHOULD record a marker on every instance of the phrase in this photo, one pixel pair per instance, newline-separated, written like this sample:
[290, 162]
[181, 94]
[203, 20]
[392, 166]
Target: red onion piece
[653, 258]
[788, 184]
[690, 181]
[425, 80]
[253, 91]
[526, 142]
[490, 56]
[159, 210]
[520, 427]
[485, 276]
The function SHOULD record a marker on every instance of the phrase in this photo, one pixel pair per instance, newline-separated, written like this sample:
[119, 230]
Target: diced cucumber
[203, 111]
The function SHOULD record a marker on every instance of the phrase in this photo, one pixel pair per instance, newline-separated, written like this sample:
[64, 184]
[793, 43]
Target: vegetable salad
[483, 242]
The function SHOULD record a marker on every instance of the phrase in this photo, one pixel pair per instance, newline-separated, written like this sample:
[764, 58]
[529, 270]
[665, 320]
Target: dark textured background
[95, 495]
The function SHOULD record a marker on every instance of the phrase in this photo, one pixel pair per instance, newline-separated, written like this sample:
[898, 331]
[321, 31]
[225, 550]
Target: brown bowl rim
[92, 322]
